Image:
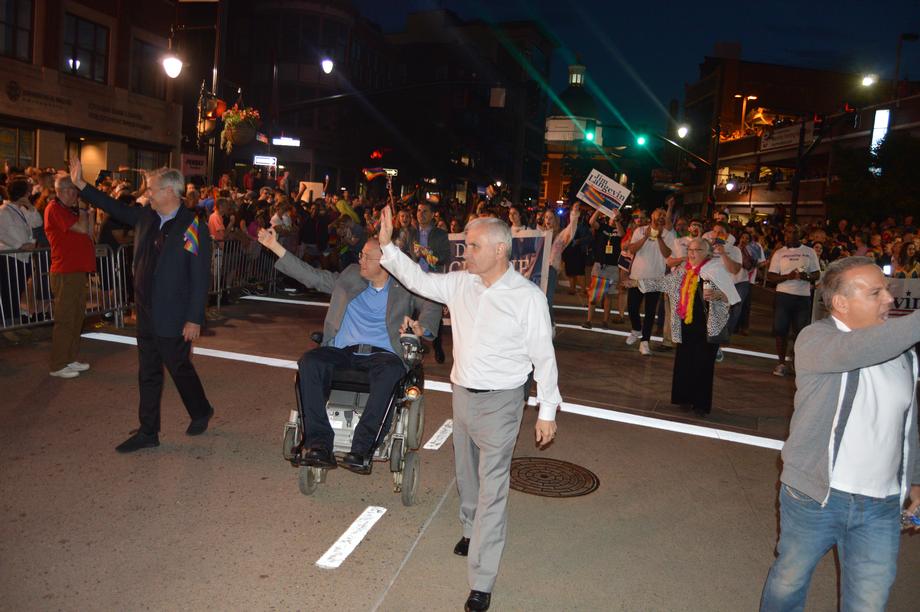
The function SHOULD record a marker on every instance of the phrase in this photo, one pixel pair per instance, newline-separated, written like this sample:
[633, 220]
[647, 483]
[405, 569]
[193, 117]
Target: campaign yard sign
[602, 193]
[906, 294]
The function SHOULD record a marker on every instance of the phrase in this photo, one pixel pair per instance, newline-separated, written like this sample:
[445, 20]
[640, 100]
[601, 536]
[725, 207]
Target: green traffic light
[589, 135]
[641, 140]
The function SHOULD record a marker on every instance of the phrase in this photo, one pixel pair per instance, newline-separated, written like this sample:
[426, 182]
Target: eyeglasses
[362, 255]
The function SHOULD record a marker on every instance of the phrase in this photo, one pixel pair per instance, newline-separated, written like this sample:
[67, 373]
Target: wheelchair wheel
[396, 455]
[308, 479]
[410, 478]
[415, 429]
[289, 442]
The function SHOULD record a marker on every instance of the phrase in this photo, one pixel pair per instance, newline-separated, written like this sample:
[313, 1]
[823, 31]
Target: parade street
[217, 521]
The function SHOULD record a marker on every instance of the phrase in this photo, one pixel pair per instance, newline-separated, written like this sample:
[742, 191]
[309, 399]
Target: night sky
[641, 54]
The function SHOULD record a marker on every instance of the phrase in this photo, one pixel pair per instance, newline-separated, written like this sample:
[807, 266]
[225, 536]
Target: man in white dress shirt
[502, 331]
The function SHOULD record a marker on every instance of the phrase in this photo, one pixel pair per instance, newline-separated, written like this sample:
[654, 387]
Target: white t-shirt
[649, 262]
[869, 457]
[786, 260]
[679, 249]
[734, 253]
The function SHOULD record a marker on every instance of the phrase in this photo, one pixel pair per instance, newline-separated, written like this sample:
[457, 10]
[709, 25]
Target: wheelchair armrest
[317, 337]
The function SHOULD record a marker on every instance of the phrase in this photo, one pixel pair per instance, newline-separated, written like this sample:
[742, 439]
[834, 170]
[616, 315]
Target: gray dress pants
[486, 427]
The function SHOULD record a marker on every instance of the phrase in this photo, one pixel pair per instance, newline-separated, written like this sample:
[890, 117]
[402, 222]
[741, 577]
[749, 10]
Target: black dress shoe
[357, 463]
[439, 354]
[199, 426]
[138, 441]
[463, 547]
[478, 601]
[319, 457]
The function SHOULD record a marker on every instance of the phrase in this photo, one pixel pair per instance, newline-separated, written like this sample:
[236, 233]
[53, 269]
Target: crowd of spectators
[330, 231]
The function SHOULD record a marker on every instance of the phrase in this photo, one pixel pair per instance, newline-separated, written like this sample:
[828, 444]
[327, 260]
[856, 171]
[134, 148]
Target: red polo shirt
[70, 251]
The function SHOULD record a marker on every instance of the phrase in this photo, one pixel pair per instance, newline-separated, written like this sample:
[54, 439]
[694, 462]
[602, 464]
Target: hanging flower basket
[240, 126]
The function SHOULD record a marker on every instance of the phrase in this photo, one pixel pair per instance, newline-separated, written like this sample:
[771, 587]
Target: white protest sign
[603, 193]
[906, 294]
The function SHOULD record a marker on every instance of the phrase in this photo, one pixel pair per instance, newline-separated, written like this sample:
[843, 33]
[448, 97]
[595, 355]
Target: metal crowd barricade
[25, 294]
[25, 287]
[25, 284]
[240, 266]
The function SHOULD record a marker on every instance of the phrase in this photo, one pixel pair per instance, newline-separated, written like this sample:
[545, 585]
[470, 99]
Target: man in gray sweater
[367, 312]
[851, 460]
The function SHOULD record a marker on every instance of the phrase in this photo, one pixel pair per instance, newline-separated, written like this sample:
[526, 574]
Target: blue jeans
[866, 532]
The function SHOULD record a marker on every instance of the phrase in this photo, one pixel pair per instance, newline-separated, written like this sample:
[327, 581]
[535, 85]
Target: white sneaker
[644, 348]
[65, 372]
[633, 337]
[779, 370]
[78, 366]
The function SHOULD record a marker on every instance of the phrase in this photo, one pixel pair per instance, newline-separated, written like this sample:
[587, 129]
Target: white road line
[437, 385]
[616, 332]
[725, 349]
[349, 540]
[685, 428]
[262, 298]
[440, 436]
[198, 350]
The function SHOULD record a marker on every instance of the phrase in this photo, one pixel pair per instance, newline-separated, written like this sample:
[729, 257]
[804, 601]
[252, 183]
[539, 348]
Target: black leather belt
[365, 349]
[480, 390]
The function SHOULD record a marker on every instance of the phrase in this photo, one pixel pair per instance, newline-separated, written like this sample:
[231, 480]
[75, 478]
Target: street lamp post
[172, 65]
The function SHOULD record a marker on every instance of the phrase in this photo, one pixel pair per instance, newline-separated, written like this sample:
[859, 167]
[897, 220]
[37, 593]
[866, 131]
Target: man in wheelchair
[367, 313]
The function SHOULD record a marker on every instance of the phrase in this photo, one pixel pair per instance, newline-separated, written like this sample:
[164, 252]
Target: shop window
[147, 76]
[17, 146]
[86, 47]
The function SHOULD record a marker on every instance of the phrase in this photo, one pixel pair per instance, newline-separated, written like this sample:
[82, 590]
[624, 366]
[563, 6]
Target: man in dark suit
[366, 315]
[432, 252]
[172, 265]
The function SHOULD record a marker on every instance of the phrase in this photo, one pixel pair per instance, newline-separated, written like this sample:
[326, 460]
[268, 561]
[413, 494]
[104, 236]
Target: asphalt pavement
[684, 517]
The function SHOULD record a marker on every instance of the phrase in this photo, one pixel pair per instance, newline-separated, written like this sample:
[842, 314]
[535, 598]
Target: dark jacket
[347, 285]
[180, 278]
[439, 245]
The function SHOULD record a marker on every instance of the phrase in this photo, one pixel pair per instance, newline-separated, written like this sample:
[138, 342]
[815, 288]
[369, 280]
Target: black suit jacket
[439, 244]
[181, 279]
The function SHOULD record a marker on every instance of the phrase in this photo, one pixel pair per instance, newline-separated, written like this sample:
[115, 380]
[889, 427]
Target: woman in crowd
[516, 220]
[561, 240]
[701, 293]
[405, 234]
[907, 263]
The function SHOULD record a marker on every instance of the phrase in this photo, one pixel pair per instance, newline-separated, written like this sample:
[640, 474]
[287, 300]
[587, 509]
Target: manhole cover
[551, 477]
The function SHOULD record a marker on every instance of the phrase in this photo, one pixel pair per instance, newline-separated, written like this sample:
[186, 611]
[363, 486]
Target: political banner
[530, 252]
[906, 294]
[602, 193]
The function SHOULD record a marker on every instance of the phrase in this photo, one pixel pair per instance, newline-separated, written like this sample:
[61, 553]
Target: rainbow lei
[688, 291]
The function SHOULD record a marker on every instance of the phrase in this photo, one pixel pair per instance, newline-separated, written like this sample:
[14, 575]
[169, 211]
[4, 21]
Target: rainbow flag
[372, 173]
[191, 237]
[598, 289]
[593, 196]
